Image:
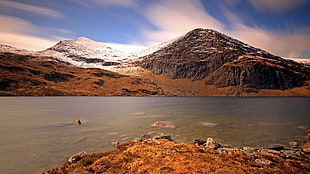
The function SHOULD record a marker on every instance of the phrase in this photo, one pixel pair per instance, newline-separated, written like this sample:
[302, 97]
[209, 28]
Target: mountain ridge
[203, 62]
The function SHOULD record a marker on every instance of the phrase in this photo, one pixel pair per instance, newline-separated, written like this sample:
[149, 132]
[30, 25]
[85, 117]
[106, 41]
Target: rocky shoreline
[162, 154]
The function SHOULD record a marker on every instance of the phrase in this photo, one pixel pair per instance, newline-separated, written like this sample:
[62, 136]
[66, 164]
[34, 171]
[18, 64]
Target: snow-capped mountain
[85, 53]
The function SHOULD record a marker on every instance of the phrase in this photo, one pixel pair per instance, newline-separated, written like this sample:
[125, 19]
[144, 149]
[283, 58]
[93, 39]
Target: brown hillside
[22, 75]
[163, 156]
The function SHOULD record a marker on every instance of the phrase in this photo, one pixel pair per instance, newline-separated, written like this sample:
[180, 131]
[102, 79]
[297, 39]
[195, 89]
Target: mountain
[217, 59]
[202, 62]
[85, 53]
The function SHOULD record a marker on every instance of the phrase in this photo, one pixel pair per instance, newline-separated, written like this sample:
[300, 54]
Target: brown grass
[163, 156]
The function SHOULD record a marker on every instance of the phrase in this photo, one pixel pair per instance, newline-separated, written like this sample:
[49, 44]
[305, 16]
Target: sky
[281, 27]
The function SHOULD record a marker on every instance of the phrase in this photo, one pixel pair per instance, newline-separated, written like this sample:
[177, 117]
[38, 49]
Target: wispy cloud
[276, 5]
[21, 33]
[174, 18]
[126, 3]
[122, 3]
[286, 45]
[31, 8]
[25, 41]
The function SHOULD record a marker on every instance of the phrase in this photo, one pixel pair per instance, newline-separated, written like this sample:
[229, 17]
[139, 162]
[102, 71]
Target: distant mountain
[202, 62]
[85, 53]
[205, 54]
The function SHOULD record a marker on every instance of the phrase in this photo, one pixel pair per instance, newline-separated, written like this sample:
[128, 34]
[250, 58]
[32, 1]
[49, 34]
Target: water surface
[37, 133]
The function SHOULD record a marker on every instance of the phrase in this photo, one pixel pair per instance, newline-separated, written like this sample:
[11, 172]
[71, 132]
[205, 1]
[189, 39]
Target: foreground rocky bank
[161, 154]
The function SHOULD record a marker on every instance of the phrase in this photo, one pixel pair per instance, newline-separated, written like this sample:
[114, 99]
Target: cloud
[25, 41]
[175, 18]
[22, 34]
[125, 3]
[276, 5]
[31, 8]
[282, 44]
[122, 3]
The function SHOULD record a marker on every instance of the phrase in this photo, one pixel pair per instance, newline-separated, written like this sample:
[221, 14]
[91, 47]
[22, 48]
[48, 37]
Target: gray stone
[211, 143]
[115, 143]
[77, 157]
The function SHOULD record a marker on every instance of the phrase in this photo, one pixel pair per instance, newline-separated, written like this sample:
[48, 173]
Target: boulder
[199, 142]
[211, 143]
[77, 157]
[164, 124]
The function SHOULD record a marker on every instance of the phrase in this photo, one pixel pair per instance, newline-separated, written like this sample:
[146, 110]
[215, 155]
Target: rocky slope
[205, 54]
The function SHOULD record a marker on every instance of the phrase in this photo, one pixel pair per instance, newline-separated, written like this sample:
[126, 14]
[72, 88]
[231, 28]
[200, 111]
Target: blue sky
[281, 27]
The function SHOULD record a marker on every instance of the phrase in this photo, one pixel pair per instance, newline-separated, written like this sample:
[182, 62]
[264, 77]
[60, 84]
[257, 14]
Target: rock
[306, 147]
[166, 136]
[115, 143]
[249, 148]
[293, 143]
[145, 136]
[211, 143]
[295, 154]
[77, 121]
[307, 136]
[263, 161]
[137, 139]
[223, 151]
[199, 142]
[277, 147]
[156, 137]
[76, 157]
[164, 124]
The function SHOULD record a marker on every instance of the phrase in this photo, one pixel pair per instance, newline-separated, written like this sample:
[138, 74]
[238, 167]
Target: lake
[37, 133]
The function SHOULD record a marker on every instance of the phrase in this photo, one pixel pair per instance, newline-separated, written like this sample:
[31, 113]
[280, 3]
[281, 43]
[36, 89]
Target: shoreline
[161, 154]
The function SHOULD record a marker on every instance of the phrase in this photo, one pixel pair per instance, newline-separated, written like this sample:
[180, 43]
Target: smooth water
[37, 133]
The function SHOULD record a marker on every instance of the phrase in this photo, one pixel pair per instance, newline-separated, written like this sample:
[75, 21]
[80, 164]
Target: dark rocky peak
[224, 61]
